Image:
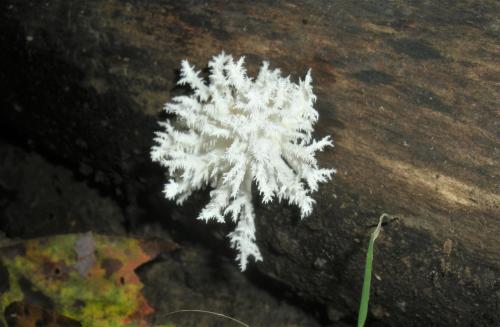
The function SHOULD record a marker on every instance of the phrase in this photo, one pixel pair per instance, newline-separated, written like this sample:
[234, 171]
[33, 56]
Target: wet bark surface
[408, 90]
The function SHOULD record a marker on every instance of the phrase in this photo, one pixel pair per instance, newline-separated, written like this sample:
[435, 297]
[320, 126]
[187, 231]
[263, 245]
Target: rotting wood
[409, 93]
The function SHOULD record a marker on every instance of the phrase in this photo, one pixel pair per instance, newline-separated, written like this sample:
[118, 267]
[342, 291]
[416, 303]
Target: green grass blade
[365, 293]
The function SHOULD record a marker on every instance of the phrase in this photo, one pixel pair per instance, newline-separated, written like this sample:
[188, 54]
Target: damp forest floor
[40, 198]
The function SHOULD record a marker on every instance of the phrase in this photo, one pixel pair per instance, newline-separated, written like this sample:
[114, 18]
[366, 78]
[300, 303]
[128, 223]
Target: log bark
[409, 92]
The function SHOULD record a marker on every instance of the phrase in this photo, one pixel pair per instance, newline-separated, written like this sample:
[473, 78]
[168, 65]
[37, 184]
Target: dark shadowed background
[409, 91]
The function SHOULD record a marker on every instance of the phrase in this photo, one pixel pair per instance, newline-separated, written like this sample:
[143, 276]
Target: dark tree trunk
[409, 92]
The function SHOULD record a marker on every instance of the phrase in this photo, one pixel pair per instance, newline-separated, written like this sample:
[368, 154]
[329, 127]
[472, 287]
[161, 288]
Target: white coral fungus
[236, 130]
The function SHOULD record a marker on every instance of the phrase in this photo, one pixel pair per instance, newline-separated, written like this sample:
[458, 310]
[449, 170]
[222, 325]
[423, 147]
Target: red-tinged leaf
[86, 277]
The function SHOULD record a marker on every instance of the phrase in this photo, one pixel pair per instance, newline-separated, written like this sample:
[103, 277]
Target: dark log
[409, 92]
